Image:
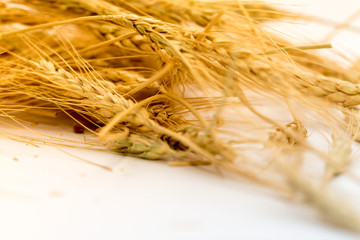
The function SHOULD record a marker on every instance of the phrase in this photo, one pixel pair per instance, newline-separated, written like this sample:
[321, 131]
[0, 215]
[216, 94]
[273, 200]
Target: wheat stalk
[332, 208]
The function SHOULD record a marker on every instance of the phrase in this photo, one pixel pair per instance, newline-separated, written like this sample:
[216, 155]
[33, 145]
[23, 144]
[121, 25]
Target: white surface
[57, 196]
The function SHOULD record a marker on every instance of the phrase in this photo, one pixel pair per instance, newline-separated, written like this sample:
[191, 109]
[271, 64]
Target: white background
[48, 194]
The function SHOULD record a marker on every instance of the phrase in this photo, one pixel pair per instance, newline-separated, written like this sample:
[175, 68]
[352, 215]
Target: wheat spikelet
[352, 119]
[196, 12]
[67, 85]
[281, 137]
[339, 157]
[336, 90]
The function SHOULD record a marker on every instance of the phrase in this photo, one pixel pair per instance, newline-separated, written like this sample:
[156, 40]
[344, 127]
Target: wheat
[281, 137]
[99, 100]
[335, 90]
[333, 208]
[124, 67]
[196, 12]
[339, 157]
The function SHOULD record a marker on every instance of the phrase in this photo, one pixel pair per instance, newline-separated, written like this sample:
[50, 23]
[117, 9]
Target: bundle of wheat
[122, 70]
